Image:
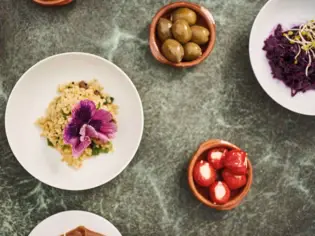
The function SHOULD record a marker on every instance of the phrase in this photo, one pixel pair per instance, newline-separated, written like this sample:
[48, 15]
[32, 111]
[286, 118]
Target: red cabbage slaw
[291, 56]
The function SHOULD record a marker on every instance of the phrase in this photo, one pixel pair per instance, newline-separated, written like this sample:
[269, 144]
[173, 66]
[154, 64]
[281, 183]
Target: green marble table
[218, 99]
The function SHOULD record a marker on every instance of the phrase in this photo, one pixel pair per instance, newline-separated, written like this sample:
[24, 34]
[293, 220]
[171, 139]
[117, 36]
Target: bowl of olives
[182, 34]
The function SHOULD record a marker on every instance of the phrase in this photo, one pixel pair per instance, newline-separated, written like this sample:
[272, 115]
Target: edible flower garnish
[304, 37]
[88, 123]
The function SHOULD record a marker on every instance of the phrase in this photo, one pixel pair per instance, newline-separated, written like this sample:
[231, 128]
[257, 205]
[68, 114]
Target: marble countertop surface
[218, 99]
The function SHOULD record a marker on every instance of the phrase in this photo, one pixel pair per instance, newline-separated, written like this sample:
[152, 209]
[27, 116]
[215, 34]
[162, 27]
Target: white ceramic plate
[29, 100]
[63, 222]
[288, 13]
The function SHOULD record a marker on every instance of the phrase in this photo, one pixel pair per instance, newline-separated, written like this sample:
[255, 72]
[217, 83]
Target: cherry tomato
[220, 192]
[236, 162]
[233, 181]
[204, 174]
[216, 157]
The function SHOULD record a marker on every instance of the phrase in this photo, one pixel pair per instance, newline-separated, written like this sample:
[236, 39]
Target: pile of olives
[181, 37]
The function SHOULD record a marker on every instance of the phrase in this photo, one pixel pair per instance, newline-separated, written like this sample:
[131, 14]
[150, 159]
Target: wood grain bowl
[53, 2]
[205, 19]
[202, 194]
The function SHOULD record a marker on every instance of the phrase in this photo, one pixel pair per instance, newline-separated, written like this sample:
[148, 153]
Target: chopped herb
[64, 114]
[49, 143]
[108, 100]
[95, 151]
[98, 105]
[106, 150]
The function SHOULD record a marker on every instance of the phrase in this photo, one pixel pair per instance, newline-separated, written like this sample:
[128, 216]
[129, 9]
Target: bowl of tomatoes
[220, 174]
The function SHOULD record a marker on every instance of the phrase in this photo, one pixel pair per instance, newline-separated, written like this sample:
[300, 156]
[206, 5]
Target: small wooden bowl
[53, 2]
[204, 18]
[201, 193]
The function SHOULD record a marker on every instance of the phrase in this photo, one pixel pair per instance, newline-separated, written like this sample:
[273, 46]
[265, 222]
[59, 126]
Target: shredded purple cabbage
[281, 56]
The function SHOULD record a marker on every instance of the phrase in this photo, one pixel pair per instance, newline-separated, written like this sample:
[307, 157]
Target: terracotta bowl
[204, 18]
[53, 2]
[201, 193]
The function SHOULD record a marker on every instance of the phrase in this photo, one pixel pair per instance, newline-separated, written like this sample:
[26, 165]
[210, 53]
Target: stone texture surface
[218, 99]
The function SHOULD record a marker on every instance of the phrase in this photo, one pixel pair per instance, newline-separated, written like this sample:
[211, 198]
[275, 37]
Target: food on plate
[83, 84]
[216, 157]
[222, 172]
[233, 181]
[181, 31]
[192, 51]
[291, 56]
[236, 162]
[184, 14]
[204, 174]
[80, 122]
[180, 36]
[173, 50]
[219, 193]
[164, 29]
[82, 231]
[200, 34]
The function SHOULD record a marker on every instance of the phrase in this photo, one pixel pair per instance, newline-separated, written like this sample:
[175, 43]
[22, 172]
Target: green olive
[173, 50]
[191, 51]
[185, 14]
[181, 31]
[164, 29]
[200, 34]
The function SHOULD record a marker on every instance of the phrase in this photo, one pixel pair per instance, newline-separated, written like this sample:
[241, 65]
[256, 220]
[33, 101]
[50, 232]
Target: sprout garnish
[304, 37]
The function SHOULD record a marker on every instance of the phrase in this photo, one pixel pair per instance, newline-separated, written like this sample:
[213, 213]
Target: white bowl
[288, 13]
[29, 100]
[63, 222]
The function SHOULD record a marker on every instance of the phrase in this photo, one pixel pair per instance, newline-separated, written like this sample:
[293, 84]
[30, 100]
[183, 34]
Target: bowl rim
[200, 10]
[49, 2]
[207, 145]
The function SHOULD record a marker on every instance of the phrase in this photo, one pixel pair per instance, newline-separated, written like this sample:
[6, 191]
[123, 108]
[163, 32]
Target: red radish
[236, 162]
[220, 192]
[233, 181]
[204, 174]
[216, 157]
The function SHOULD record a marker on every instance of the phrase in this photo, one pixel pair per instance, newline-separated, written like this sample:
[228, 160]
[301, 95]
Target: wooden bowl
[53, 2]
[204, 18]
[201, 193]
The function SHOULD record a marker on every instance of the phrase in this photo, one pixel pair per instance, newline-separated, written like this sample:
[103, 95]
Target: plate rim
[253, 68]
[6, 122]
[72, 211]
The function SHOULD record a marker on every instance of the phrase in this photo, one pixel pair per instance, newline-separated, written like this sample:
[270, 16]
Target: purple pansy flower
[88, 123]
